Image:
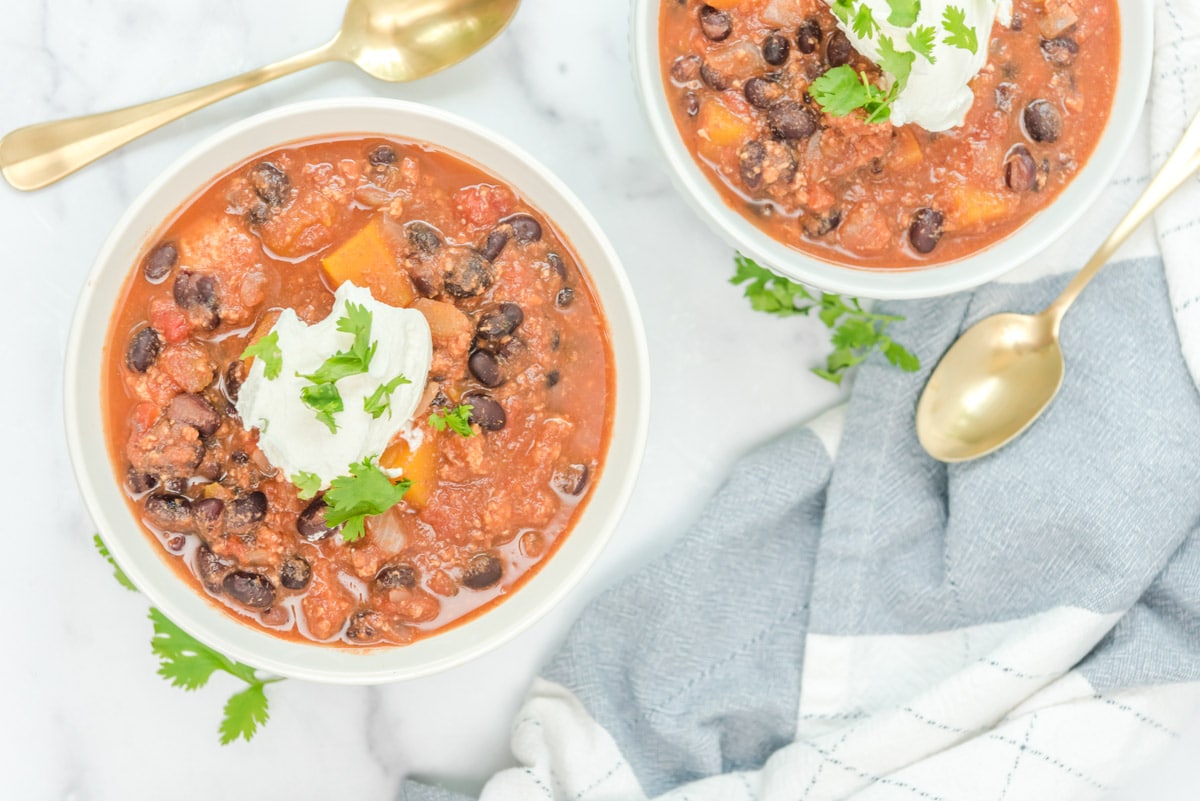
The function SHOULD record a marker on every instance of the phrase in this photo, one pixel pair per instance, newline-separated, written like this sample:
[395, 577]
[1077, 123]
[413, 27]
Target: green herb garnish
[922, 39]
[958, 33]
[380, 400]
[843, 10]
[308, 484]
[864, 24]
[188, 663]
[356, 321]
[457, 419]
[325, 400]
[367, 491]
[903, 12]
[841, 90]
[267, 349]
[856, 332]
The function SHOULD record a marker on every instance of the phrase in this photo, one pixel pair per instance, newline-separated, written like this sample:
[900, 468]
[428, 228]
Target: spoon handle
[38, 155]
[1183, 163]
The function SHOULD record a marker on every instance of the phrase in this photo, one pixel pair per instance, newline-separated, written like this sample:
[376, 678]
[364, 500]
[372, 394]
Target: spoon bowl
[990, 386]
[403, 40]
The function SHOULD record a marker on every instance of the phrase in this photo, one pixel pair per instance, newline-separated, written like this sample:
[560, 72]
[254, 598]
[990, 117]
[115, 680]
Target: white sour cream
[289, 433]
[938, 96]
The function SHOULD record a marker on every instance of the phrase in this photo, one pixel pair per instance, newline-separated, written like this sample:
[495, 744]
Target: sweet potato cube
[368, 259]
[974, 207]
[906, 150]
[419, 466]
[721, 127]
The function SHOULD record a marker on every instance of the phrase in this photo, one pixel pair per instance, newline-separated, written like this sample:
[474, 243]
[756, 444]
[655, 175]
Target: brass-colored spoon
[1004, 371]
[393, 40]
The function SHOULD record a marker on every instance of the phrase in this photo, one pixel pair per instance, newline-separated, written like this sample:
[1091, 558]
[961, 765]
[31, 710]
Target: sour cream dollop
[289, 433]
[938, 96]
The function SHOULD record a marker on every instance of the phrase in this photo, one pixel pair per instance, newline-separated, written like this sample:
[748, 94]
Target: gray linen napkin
[876, 624]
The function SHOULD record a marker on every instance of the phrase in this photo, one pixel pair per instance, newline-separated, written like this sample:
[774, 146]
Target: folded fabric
[853, 620]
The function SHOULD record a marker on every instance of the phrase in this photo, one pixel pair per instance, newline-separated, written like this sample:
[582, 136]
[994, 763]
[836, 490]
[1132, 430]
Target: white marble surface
[82, 714]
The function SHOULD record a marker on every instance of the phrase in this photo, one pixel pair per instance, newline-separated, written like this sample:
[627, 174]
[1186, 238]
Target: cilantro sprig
[267, 349]
[321, 393]
[457, 419]
[841, 91]
[308, 484]
[958, 33]
[365, 492]
[380, 400]
[856, 332]
[189, 664]
[326, 401]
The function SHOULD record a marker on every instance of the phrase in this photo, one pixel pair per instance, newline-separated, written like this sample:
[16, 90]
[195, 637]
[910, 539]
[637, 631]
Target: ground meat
[166, 450]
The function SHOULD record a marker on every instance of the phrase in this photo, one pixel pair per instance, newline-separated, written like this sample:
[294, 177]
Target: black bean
[808, 36]
[1060, 52]
[468, 275]
[485, 412]
[763, 92]
[525, 229]
[714, 78]
[239, 457]
[838, 50]
[235, 374]
[244, 514]
[926, 230]
[1018, 21]
[193, 410]
[511, 348]
[552, 379]
[572, 479]
[210, 568]
[295, 572]
[1005, 94]
[259, 212]
[555, 341]
[558, 265]
[495, 243]
[140, 482]
[565, 297]
[249, 589]
[196, 294]
[1020, 169]
[776, 49]
[482, 572]
[685, 69]
[499, 322]
[1043, 123]
[818, 225]
[792, 120]
[715, 24]
[173, 512]
[485, 367]
[311, 522]
[206, 515]
[178, 485]
[143, 350]
[423, 237]
[395, 577]
[361, 627]
[176, 543]
[159, 261]
[691, 103]
[270, 183]
[750, 163]
[384, 154]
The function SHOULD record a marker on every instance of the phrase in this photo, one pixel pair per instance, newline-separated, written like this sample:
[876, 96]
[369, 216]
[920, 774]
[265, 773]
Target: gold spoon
[393, 40]
[1004, 371]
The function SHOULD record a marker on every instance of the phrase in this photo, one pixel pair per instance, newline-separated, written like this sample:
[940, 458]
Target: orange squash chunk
[419, 466]
[368, 260]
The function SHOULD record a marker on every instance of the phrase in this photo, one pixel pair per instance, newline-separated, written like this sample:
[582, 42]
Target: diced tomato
[167, 319]
[483, 205]
[143, 417]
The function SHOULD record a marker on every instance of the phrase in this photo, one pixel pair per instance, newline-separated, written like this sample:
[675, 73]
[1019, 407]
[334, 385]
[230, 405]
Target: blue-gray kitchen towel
[852, 619]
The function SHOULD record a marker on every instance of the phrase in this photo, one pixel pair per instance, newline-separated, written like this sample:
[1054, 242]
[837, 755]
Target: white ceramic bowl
[1137, 39]
[144, 560]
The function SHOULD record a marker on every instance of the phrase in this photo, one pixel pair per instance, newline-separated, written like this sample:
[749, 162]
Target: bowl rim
[191, 609]
[1024, 244]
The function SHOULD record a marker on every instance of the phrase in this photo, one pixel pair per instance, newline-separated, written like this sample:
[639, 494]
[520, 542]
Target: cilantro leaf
[365, 492]
[118, 573]
[380, 400]
[308, 484]
[267, 349]
[856, 333]
[903, 12]
[357, 360]
[843, 10]
[841, 90]
[958, 33]
[244, 713]
[335, 368]
[864, 25]
[325, 400]
[922, 39]
[897, 63]
[457, 419]
[183, 660]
